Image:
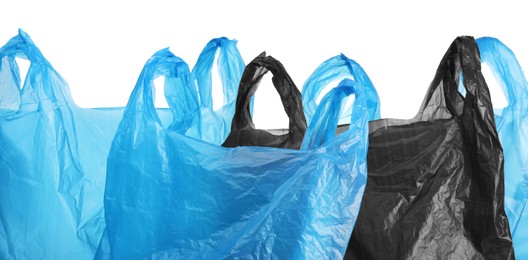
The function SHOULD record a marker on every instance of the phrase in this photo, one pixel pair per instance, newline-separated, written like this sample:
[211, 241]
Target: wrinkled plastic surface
[243, 132]
[216, 124]
[174, 197]
[183, 115]
[53, 157]
[435, 182]
[512, 125]
[52, 162]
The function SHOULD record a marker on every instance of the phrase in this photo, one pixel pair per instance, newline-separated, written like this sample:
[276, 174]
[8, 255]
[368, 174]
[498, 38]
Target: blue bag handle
[181, 95]
[217, 123]
[325, 120]
[508, 72]
[332, 69]
[50, 86]
[230, 66]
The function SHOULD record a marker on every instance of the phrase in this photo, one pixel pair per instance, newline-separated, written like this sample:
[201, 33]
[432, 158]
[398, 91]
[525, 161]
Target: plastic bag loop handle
[332, 69]
[230, 66]
[47, 86]
[290, 95]
[463, 58]
[324, 124]
[508, 72]
[182, 102]
[504, 65]
[22, 46]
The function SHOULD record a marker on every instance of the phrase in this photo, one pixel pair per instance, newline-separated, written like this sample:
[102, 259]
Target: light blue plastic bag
[512, 125]
[216, 124]
[174, 197]
[52, 162]
[53, 155]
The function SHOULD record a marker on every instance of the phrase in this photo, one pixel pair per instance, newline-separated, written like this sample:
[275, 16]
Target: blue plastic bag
[53, 156]
[216, 124]
[170, 196]
[512, 125]
[52, 162]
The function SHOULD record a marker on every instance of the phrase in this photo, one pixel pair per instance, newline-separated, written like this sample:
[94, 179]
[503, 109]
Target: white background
[100, 47]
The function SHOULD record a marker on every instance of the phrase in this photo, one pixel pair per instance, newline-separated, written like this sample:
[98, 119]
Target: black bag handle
[442, 100]
[462, 58]
[475, 109]
[289, 94]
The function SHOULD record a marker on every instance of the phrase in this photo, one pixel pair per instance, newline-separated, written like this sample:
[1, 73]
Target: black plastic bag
[243, 132]
[435, 187]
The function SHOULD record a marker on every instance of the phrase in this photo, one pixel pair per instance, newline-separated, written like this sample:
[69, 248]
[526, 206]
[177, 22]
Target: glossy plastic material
[174, 197]
[435, 186]
[216, 124]
[512, 124]
[53, 156]
[243, 132]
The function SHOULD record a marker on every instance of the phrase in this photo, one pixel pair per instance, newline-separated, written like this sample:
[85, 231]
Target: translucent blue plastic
[183, 115]
[512, 125]
[52, 162]
[323, 127]
[173, 197]
[53, 154]
[216, 124]
[333, 69]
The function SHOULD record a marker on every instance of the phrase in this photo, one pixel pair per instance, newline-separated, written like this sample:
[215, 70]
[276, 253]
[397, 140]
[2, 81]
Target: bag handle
[181, 96]
[289, 94]
[462, 57]
[508, 72]
[230, 67]
[323, 127]
[334, 68]
[43, 83]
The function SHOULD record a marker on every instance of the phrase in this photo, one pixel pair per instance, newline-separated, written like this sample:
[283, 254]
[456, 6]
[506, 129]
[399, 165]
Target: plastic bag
[170, 196]
[53, 157]
[243, 132]
[435, 182]
[512, 125]
[216, 124]
[52, 162]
